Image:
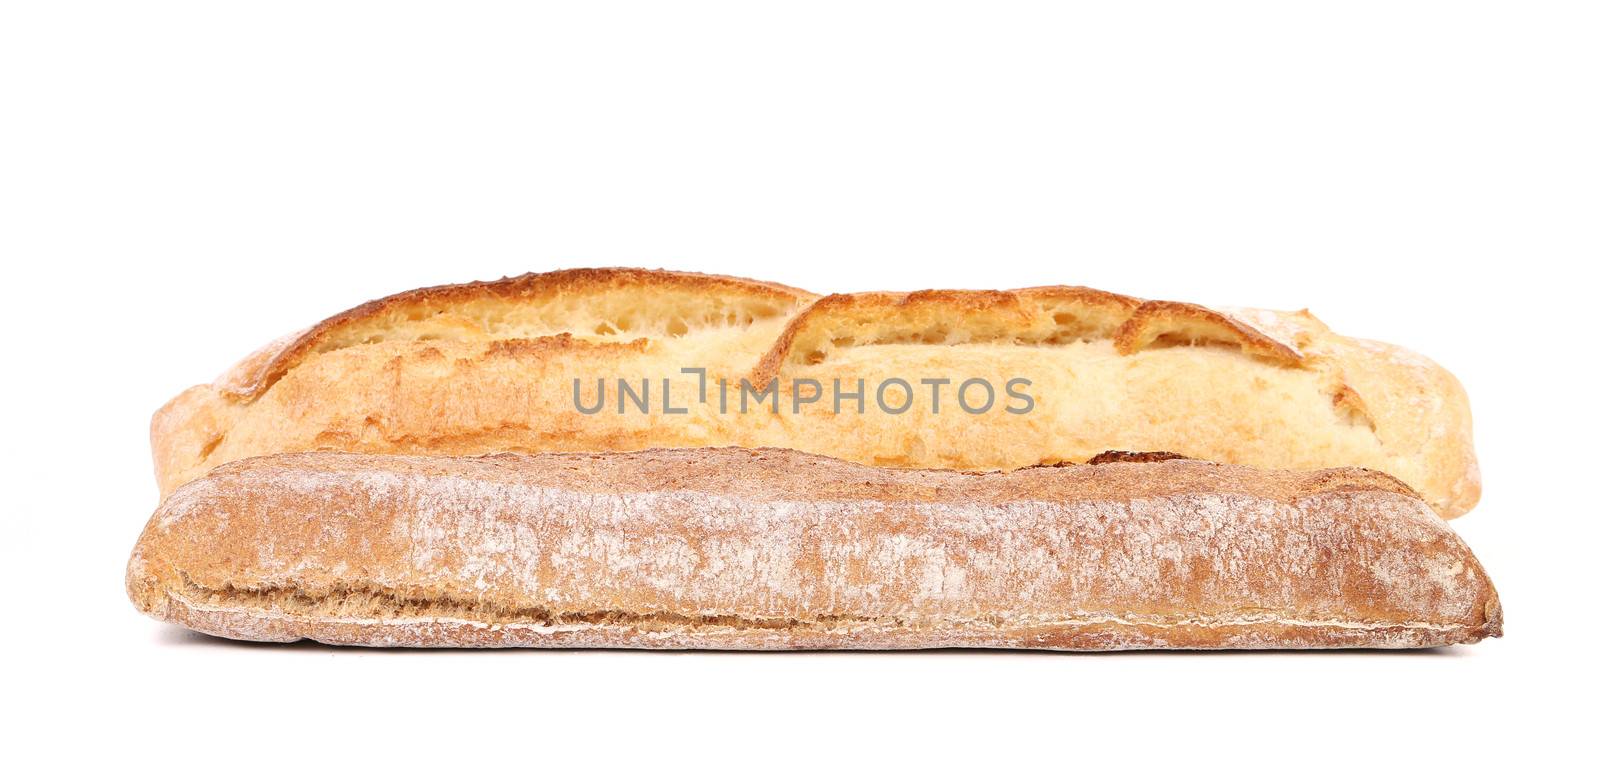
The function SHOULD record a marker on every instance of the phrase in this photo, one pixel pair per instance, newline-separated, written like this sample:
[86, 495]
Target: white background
[180, 182]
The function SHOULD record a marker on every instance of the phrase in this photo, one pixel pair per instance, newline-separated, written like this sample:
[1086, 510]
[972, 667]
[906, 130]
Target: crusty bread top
[1026, 316]
[664, 303]
[617, 300]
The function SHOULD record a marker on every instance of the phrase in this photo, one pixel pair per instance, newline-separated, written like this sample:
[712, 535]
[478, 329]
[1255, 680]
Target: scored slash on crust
[1041, 315]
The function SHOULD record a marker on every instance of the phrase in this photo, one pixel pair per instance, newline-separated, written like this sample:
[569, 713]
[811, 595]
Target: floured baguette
[774, 549]
[511, 365]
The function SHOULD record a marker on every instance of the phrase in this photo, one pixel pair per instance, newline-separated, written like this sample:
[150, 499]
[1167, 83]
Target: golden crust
[1157, 321]
[255, 374]
[945, 317]
[464, 370]
[773, 549]
[1044, 315]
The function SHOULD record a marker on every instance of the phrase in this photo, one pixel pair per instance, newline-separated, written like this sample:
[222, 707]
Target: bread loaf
[774, 549]
[595, 360]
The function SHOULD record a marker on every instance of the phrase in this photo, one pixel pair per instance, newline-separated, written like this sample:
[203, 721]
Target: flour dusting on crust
[730, 548]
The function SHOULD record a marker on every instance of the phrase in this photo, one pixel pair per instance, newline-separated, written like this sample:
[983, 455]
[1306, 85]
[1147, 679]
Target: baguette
[775, 549]
[511, 366]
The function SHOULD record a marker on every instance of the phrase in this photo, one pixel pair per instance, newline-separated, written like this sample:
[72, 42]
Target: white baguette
[482, 368]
